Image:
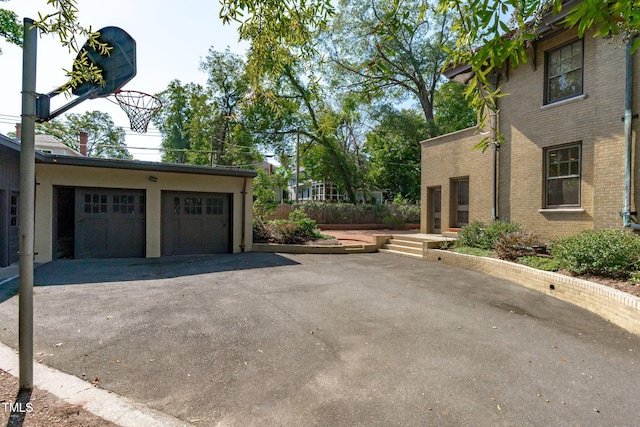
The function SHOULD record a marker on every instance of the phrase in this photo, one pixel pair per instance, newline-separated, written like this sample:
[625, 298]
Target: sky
[171, 40]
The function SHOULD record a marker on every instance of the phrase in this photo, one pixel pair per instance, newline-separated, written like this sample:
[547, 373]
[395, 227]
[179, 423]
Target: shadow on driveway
[83, 271]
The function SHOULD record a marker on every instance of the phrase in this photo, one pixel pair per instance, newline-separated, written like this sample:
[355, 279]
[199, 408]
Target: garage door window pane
[143, 206]
[176, 205]
[193, 206]
[214, 206]
[124, 204]
[95, 203]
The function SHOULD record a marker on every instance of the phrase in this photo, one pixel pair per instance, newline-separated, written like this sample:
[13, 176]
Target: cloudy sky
[171, 39]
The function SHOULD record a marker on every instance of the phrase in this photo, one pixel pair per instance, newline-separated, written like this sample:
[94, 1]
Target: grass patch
[467, 250]
[541, 263]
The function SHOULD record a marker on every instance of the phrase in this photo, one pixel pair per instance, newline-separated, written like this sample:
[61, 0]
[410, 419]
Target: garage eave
[93, 162]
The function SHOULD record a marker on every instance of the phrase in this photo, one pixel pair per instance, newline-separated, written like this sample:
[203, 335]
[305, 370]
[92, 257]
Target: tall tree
[173, 118]
[453, 111]
[391, 49]
[105, 139]
[393, 150]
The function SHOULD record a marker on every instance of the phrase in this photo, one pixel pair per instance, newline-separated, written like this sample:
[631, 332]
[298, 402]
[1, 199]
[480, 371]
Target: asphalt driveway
[261, 339]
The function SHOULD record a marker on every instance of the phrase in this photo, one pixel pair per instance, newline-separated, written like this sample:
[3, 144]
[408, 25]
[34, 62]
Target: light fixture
[153, 178]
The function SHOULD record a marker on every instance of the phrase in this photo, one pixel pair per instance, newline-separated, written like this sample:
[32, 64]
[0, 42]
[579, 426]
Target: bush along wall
[346, 213]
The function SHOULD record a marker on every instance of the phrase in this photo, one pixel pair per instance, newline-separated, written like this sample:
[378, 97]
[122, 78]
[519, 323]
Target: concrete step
[406, 254]
[393, 246]
[406, 242]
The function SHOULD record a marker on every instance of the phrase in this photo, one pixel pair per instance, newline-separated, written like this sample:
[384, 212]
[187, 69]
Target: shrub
[613, 253]
[285, 232]
[541, 263]
[511, 246]
[393, 221]
[260, 232]
[477, 235]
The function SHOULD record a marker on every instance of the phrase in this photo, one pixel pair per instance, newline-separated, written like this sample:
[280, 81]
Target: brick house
[562, 168]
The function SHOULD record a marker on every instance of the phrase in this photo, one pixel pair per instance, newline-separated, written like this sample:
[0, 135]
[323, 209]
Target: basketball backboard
[118, 68]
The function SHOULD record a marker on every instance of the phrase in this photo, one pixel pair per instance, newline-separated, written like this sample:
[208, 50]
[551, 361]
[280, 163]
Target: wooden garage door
[110, 223]
[195, 223]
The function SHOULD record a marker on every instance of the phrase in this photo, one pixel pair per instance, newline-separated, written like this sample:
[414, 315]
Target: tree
[393, 150]
[105, 139]
[452, 109]
[275, 30]
[391, 49]
[10, 27]
[491, 34]
[174, 118]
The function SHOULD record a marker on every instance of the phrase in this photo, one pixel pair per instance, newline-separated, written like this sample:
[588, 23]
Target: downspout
[244, 214]
[628, 138]
[495, 146]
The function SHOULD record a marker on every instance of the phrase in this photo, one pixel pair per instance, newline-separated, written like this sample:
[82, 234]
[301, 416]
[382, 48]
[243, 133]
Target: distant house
[101, 208]
[326, 191]
[562, 169]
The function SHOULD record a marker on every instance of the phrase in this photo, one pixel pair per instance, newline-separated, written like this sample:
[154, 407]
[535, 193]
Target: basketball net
[139, 106]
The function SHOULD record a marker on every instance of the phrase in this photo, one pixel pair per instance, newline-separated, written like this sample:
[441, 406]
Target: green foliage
[477, 235]
[295, 230]
[264, 185]
[408, 212]
[452, 109]
[634, 277]
[541, 263]
[390, 51]
[513, 245]
[105, 139]
[393, 151]
[10, 28]
[466, 250]
[393, 221]
[344, 213]
[613, 253]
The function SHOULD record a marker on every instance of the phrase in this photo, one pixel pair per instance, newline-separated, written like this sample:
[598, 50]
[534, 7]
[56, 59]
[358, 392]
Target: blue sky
[171, 39]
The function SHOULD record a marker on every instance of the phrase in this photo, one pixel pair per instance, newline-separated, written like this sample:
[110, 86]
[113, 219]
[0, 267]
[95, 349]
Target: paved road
[330, 340]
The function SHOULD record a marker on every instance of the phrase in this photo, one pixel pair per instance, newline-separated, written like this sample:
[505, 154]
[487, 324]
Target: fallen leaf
[96, 380]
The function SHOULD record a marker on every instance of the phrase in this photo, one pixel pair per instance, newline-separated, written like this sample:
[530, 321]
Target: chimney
[84, 137]
[18, 130]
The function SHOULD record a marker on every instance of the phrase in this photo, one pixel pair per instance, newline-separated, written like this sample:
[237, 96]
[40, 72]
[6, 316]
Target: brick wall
[529, 127]
[451, 157]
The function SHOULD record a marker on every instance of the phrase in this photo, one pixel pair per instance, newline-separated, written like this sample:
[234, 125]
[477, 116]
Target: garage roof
[93, 162]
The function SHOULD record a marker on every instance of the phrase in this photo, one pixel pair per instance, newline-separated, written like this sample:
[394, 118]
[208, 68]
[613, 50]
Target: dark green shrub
[308, 227]
[511, 246]
[478, 235]
[541, 263]
[614, 253]
[393, 221]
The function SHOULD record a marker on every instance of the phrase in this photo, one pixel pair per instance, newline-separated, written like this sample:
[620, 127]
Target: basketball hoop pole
[26, 205]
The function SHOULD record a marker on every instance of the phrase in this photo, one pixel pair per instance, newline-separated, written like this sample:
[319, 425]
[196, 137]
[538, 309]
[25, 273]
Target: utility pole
[297, 163]
[26, 204]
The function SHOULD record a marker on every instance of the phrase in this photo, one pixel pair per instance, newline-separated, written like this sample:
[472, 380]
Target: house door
[461, 200]
[436, 210]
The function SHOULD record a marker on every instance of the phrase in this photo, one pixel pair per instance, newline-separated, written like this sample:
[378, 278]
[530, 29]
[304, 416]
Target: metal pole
[297, 164]
[27, 204]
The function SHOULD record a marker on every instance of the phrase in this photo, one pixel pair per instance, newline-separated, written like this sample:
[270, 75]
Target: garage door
[195, 223]
[110, 223]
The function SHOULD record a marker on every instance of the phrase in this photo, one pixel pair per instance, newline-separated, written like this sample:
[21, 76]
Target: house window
[564, 72]
[563, 166]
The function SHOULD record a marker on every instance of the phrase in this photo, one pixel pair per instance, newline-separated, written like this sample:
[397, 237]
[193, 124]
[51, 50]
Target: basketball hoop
[139, 106]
